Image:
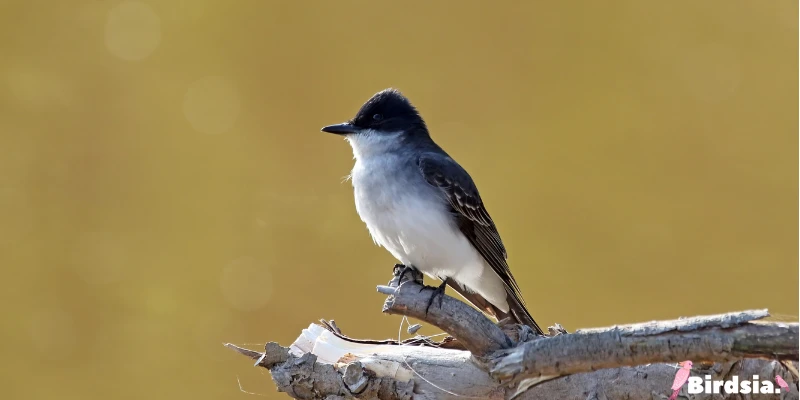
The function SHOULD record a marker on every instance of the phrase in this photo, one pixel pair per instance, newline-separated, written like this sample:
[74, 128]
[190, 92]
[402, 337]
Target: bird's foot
[437, 292]
[401, 269]
[400, 272]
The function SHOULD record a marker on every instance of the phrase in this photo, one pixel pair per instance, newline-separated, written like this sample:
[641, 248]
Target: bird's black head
[387, 111]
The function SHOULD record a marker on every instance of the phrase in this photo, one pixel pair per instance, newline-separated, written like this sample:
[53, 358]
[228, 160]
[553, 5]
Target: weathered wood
[717, 338]
[320, 364]
[617, 362]
[469, 326]
[366, 370]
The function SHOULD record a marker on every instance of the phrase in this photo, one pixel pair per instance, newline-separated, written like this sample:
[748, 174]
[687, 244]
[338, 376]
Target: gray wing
[475, 223]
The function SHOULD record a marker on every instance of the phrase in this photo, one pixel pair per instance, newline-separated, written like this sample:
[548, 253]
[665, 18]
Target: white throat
[370, 143]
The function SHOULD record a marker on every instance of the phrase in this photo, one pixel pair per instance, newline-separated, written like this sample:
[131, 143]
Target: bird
[424, 208]
[680, 378]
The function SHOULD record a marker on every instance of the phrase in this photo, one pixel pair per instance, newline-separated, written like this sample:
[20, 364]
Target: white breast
[415, 230]
[410, 218]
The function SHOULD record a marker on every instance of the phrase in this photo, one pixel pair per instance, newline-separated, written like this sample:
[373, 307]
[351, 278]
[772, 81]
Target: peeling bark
[489, 361]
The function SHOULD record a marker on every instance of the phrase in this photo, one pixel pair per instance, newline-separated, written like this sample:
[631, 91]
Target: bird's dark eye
[377, 117]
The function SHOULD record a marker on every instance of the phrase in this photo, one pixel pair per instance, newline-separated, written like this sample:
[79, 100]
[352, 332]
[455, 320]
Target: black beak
[341, 129]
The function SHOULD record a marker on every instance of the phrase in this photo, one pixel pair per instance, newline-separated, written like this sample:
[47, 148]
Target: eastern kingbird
[424, 208]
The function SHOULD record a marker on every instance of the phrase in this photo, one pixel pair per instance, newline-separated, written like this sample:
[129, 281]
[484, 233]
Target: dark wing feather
[475, 223]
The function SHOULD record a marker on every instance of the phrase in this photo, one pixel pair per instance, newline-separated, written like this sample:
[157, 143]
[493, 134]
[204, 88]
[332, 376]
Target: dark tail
[517, 311]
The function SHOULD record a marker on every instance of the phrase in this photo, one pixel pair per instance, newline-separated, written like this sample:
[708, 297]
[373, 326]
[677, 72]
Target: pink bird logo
[680, 378]
[782, 383]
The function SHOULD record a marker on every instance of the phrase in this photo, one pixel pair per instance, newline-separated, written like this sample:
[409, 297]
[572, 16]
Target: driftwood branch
[719, 338]
[485, 360]
[469, 326]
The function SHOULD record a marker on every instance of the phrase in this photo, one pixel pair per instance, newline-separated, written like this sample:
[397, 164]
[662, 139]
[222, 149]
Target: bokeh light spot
[211, 105]
[133, 31]
[246, 284]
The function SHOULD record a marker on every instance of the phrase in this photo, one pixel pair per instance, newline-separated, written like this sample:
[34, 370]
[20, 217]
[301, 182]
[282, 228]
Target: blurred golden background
[164, 186]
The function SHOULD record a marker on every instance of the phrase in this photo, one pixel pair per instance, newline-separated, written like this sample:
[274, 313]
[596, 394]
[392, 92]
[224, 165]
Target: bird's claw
[401, 270]
[437, 292]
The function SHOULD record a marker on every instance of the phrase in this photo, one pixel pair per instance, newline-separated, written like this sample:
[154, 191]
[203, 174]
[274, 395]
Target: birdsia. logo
[705, 385]
[697, 385]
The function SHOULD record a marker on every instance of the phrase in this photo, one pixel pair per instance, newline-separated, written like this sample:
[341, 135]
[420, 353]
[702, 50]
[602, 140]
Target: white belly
[418, 230]
[419, 235]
